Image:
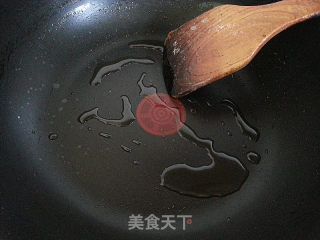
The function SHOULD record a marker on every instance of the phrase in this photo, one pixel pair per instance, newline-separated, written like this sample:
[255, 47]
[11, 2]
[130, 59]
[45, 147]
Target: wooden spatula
[226, 38]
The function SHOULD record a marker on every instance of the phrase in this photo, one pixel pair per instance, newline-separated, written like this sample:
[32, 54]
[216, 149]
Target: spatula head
[198, 53]
[225, 39]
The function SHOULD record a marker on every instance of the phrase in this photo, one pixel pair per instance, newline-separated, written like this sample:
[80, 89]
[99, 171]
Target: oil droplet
[135, 162]
[105, 135]
[229, 133]
[127, 115]
[117, 67]
[145, 44]
[223, 176]
[136, 142]
[192, 110]
[89, 129]
[223, 123]
[145, 90]
[190, 100]
[126, 149]
[53, 136]
[246, 129]
[253, 157]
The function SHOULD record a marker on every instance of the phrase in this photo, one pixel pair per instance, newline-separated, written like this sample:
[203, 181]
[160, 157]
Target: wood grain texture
[225, 39]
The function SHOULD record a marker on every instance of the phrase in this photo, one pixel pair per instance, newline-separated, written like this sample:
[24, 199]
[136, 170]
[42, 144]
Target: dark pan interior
[84, 186]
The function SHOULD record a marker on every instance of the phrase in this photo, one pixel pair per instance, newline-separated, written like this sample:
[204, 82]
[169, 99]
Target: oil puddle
[126, 119]
[223, 176]
[147, 45]
[244, 126]
[116, 67]
[145, 90]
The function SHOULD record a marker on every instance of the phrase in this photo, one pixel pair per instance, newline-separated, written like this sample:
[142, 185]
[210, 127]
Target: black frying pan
[61, 179]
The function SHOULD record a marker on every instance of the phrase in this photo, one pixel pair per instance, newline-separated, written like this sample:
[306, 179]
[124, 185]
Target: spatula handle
[291, 11]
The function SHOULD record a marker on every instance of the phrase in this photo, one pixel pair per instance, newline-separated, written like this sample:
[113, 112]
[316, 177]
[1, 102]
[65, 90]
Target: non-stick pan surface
[61, 179]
